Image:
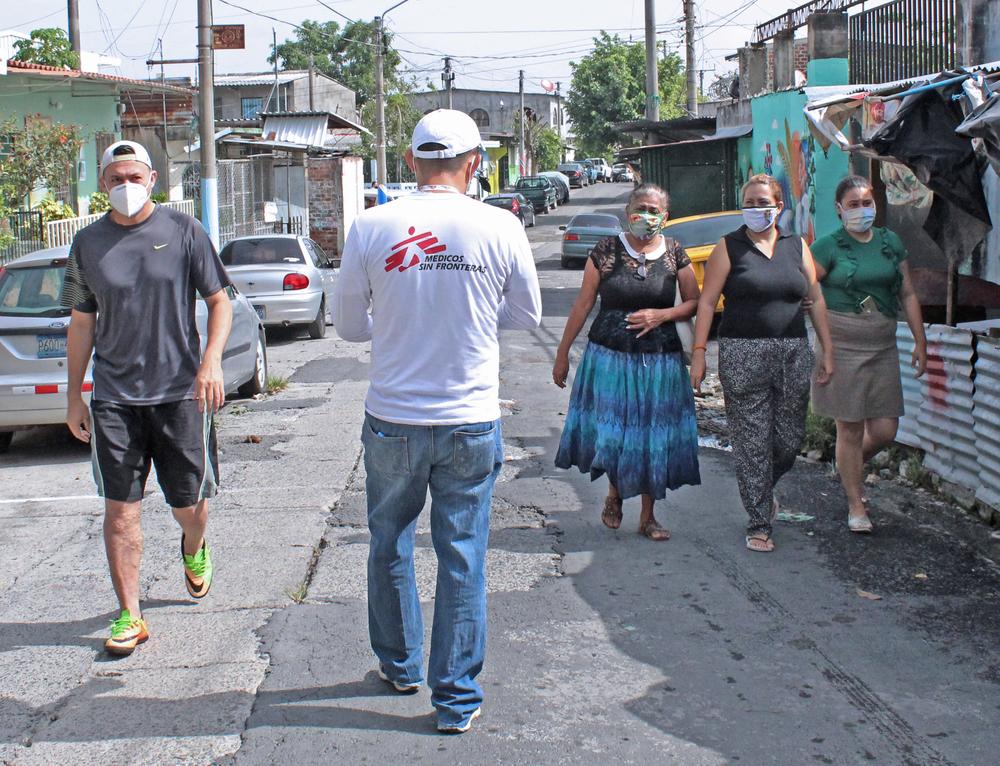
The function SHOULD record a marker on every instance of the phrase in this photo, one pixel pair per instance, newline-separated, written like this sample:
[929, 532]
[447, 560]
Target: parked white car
[287, 277]
[603, 169]
[33, 344]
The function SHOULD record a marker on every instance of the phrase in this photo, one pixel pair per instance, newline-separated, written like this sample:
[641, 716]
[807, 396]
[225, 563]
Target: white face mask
[760, 219]
[858, 219]
[128, 198]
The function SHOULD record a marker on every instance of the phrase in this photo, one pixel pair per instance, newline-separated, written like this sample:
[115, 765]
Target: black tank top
[764, 295]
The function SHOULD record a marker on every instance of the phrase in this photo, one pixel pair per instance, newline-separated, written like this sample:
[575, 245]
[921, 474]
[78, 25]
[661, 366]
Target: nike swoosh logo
[160, 247]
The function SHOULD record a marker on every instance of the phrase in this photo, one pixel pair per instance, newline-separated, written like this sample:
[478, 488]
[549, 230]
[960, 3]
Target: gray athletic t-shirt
[142, 280]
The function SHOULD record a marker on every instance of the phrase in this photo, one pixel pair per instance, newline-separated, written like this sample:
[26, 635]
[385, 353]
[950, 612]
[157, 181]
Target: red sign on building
[231, 37]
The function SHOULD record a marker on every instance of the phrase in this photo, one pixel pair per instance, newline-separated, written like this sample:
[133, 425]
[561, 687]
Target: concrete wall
[328, 96]
[335, 199]
[977, 31]
[91, 113]
[501, 121]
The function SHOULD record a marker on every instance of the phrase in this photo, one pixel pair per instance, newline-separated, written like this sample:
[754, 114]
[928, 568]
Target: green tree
[346, 55]
[48, 46]
[35, 152]
[541, 144]
[609, 86]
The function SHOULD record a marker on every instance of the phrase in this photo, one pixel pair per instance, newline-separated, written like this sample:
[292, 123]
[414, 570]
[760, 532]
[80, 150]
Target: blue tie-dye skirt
[631, 416]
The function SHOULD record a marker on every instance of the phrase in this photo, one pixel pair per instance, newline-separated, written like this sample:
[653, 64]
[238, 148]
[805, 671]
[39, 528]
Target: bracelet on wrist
[698, 347]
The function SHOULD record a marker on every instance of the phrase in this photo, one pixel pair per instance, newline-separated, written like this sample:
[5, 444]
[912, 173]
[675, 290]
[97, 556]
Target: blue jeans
[460, 465]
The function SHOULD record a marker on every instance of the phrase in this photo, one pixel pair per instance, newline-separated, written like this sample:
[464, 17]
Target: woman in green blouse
[865, 280]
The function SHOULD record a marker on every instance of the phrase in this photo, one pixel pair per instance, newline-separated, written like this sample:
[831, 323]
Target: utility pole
[73, 10]
[312, 77]
[448, 78]
[652, 75]
[690, 64]
[380, 93]
[206, 123]
[274, 88]
[379, 104]
[559, 120]
[522, 165]
[701, 80]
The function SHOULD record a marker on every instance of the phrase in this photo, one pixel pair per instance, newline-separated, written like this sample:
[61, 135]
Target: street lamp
[380, 94]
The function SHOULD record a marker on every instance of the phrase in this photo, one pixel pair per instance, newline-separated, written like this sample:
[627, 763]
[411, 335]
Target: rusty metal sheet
[987, 419]
[946, 425]
[913, 395]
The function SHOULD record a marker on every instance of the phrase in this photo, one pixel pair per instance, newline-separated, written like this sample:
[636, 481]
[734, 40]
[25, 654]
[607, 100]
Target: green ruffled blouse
[855, 270]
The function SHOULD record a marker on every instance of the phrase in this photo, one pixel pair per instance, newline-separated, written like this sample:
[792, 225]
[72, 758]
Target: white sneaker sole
[461, 728]
[401, 688]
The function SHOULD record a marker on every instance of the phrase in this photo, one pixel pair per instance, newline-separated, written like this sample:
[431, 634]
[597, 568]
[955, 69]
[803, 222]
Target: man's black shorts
[175, 437]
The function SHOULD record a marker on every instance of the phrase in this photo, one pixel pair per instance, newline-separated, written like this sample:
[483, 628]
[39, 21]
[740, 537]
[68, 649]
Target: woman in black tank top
[765, 361]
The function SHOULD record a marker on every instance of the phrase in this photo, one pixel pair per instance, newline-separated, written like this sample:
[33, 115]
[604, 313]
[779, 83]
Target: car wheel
[258, 383]
[564, 262]
[5, 439]
[317, 328]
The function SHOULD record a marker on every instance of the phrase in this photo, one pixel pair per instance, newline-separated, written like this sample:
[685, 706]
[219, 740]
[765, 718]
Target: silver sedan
[33, 344]
[288, 279]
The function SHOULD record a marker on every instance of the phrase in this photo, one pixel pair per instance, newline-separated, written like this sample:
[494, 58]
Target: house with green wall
[89, 100]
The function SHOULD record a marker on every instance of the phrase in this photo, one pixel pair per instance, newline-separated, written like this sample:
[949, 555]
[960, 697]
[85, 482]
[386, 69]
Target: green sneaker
[197, 570]
[126, 634]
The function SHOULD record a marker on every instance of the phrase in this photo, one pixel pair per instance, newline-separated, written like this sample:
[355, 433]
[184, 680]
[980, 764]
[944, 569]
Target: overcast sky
[489, 40]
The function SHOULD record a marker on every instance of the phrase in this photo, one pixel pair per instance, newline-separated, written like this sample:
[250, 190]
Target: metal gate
[28, 232]
[244, 187]
[902, 39]
[699, 176]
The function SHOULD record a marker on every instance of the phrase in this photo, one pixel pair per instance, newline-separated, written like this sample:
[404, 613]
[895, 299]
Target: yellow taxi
[698, 235]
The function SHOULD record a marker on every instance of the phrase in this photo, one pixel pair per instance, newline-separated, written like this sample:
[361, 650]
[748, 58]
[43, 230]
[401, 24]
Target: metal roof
[262, 78]
[43, 70]
[305, 127]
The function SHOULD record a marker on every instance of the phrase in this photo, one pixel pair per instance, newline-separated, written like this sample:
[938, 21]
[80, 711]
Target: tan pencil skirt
[865, 382]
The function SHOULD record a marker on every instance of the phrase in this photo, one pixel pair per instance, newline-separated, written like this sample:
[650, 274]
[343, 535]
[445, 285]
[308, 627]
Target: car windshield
[33, 291]
[499, 201]
[532, 183]
[258, 252]
[595, 222]
[573, 166]
[706, 231]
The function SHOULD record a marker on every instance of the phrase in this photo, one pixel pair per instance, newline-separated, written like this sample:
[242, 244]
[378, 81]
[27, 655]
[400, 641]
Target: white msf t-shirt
[430, 279]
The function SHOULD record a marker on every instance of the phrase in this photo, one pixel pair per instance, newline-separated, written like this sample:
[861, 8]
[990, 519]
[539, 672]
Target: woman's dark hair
[648, 190]
[851, 182]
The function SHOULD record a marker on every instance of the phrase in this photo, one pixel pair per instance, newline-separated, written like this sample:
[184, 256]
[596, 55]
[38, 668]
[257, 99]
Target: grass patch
[821, 435]
[276, 384]
[298, 595]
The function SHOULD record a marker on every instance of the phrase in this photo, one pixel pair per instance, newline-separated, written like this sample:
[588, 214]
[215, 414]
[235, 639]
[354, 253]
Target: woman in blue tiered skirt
[631, 413]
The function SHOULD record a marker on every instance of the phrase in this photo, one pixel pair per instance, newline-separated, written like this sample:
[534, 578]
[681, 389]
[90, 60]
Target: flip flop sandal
[654, 531]
[762, 541]
[611, 516]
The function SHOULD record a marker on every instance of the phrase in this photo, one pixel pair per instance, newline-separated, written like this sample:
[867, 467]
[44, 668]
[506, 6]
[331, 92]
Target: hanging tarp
[921, 135]
[984, 123]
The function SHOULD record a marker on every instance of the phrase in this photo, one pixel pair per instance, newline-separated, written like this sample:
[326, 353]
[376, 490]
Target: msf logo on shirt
[402, 258]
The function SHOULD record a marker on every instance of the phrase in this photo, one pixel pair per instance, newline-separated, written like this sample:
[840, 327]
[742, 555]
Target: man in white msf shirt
[431, 279]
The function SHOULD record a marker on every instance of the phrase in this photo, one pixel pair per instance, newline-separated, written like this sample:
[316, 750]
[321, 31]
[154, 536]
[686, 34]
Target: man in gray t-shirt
[132, 282]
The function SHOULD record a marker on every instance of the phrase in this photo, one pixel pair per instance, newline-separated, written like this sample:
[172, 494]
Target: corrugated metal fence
[62, 232]
[953, 411]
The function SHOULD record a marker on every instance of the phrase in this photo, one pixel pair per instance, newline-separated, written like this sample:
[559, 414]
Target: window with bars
[251, 107]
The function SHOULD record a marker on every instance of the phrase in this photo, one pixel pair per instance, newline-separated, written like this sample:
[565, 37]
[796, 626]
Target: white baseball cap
[124, 151]
[449, 133]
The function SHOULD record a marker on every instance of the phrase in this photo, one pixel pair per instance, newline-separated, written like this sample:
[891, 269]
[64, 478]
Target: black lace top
[621, 293]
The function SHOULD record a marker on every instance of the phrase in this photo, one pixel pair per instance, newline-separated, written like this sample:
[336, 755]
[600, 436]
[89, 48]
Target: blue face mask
[858, 219]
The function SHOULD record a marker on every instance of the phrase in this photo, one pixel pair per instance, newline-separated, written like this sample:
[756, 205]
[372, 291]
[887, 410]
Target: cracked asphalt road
[604, 647]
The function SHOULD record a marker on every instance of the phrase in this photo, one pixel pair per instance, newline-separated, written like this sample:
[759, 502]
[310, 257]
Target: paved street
[604, 647]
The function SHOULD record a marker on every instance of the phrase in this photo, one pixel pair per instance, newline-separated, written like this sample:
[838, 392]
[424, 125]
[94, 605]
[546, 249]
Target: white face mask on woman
[858, 219]
[128, 198]
[760, 219]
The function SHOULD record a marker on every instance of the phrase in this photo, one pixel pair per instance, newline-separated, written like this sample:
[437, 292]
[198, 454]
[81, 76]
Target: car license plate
[261, 312]
[51, 346]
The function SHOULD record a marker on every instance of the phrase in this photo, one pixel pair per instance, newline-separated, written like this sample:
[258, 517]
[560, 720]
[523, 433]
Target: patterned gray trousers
[766, 385]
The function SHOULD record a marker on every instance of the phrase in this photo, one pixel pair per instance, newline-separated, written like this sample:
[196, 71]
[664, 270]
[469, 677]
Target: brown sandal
[611, 516]
[654, 531]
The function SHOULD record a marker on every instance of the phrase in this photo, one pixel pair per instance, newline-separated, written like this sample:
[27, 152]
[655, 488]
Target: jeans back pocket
[385, 454]
[475, 453]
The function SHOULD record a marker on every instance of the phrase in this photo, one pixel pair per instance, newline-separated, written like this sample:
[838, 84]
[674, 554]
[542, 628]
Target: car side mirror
[562, 228]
